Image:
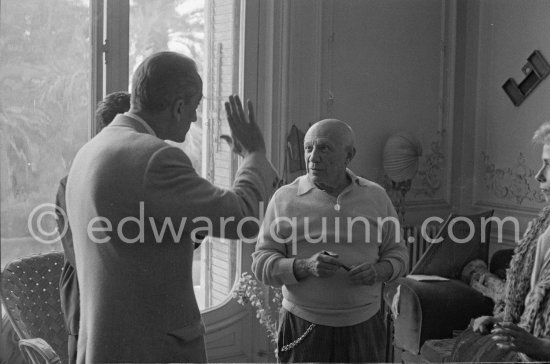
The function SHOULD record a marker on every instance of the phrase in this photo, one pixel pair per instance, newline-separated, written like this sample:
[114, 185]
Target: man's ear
[351, 154]
[178, 108]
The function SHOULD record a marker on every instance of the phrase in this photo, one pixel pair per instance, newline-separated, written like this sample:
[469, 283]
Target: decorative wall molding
[509, 236]
[397, 193]
[439, 203]
[327, 51]
[427, 182]
[429, 178]
[508, 209]
[514, 183]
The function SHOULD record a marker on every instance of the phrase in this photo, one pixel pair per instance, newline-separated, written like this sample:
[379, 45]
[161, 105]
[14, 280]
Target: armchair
[424, 310]
[30, 294]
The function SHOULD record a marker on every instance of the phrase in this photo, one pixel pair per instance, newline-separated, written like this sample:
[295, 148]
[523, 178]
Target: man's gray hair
[163, 77]
[542, 135]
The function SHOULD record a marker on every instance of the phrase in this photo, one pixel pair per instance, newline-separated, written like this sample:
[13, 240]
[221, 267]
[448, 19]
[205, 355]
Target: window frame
[110, 50]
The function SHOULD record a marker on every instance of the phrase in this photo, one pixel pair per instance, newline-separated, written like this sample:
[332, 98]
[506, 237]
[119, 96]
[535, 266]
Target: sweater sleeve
[271, 261]
[392, 248]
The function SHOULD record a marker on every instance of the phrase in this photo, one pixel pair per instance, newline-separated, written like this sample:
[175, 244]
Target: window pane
[220, 256]
[45, 52]
[170, 25]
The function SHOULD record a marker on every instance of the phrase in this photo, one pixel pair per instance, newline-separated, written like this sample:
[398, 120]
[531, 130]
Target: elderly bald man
[324, 241]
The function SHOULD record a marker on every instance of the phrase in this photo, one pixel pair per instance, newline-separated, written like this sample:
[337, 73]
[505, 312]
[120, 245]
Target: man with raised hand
[136, 204]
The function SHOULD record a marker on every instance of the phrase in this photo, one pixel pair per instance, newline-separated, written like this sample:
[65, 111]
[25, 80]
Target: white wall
[381, 66]
[497, 159]
[425, 66]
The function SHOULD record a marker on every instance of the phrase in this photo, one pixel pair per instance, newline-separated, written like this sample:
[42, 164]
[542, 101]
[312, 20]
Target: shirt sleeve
[174, 190]
[271, 261]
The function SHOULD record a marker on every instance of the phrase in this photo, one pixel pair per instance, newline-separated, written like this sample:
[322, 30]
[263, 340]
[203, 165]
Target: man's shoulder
[372, 191]
[122, 139]
[290, 189]
[140, 139]
[370, 185]
[128, 150]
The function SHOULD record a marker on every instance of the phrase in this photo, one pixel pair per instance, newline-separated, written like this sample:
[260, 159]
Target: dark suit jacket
[136, 290]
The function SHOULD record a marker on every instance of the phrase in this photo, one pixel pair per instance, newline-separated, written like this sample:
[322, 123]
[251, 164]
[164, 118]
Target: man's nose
[314, 156]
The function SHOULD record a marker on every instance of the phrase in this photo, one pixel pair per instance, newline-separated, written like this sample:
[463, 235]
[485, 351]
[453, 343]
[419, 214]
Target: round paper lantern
[401, 156]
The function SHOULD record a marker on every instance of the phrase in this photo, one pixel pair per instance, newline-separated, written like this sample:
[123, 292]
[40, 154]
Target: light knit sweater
[302, 220]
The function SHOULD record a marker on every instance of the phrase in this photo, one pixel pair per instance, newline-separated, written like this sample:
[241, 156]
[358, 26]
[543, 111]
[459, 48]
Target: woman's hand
[511, 337]
[484, 324]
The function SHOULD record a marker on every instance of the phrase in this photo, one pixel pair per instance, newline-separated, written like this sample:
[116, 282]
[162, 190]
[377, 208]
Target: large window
[45, 52]
[47, 56]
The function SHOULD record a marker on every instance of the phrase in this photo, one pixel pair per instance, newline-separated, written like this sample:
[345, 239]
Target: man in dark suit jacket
[126, 188]
[113, 104]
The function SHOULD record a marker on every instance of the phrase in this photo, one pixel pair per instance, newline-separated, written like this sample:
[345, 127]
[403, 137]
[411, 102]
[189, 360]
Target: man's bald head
[334, 129]
[328, 148]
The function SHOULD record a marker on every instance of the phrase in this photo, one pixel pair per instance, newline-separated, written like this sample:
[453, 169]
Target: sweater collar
[305, 185]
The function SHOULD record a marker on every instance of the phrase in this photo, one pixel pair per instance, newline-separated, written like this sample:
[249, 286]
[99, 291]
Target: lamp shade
[401, 156]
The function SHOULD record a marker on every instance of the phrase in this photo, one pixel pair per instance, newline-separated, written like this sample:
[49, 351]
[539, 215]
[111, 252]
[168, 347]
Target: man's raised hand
[246, 137]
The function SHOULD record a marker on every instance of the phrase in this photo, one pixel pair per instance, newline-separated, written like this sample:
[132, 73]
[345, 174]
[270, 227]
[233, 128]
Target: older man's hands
[319, 265]
[246, 137]
[325, 264]
[368, 274]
